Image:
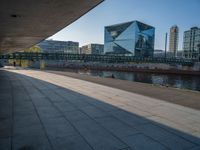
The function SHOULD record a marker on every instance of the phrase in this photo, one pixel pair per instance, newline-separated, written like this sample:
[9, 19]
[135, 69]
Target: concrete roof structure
[24, 23]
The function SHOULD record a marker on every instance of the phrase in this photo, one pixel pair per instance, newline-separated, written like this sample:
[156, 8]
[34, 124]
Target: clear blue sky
[161, 14]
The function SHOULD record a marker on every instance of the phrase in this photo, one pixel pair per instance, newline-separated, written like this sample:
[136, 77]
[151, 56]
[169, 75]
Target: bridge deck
[95, 58]
[40, 110]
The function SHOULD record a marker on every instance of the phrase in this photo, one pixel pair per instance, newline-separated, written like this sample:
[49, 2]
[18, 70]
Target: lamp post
[165, 45]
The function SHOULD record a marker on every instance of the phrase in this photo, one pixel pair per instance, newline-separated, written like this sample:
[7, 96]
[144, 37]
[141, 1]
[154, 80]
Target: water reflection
[177, 81]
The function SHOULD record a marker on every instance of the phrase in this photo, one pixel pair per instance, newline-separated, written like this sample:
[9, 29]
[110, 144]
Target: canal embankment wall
[128, 67]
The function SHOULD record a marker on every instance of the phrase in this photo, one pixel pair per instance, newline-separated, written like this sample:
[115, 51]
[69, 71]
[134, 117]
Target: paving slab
[166, 138]
[53, 96]
[97, 136]
[117, 127]
[93, 112]
[129, 118]
[33, 142]
[196, 148]
[182, 97]
[5, 143]
[76, 115]
[40, 110]
[5, 127]
[73, 142]
[58, 127]
[65, 106]
[140, 141]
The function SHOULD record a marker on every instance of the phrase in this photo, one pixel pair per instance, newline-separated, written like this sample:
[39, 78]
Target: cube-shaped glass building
[130, 38]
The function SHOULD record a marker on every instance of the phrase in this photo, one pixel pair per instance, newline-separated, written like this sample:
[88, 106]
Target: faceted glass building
[131, 38]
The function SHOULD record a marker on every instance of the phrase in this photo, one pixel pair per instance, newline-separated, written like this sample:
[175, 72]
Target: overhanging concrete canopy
[24, 23]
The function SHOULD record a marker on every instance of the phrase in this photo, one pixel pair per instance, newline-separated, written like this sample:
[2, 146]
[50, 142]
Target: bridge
[95, 58]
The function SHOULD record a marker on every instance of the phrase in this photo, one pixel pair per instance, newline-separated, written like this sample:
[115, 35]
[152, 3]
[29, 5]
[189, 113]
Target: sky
[162, 14]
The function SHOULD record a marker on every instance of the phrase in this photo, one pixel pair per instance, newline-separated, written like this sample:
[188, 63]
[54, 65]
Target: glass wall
[133, 38]
[51, 46]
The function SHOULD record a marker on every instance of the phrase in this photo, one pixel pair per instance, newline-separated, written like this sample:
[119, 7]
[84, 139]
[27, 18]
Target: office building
[173, 40]
[51, 46]
[130, 38]
[158, 53]
[161, 54]
[92, 49]
[190, 43]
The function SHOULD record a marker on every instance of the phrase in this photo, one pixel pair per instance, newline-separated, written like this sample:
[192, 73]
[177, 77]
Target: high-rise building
[92, 49]
[190, 43]
[51, 46]
[130, 38]
[173, 39]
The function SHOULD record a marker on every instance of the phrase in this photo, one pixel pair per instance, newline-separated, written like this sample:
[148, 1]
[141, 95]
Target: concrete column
[42, 64]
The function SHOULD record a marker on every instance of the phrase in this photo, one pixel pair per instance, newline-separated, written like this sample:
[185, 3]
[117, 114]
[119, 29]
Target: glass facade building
[191, 41]
[131, 38]
[92, 49]
[51, 46]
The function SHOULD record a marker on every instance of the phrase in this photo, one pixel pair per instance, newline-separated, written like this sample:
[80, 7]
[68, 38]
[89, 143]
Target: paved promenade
[45, 111]
[181, 97]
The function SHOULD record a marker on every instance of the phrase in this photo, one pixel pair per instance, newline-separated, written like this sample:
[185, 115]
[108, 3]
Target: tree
[33, 49]
[26, 63]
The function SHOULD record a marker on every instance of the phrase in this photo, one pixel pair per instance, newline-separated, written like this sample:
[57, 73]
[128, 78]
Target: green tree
[33, 49]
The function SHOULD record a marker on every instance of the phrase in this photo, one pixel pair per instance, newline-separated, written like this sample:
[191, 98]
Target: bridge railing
[95, 58]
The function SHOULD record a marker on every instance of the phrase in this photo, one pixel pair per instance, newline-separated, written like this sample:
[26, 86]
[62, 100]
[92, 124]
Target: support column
[42, 64]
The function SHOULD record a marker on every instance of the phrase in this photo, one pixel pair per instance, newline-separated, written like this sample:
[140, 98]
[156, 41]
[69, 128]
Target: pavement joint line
[12, 124]
[168, 130]
[127, 148]
[121, 120]
[143, 124]
[100, 125]
[148, 119]
[163, 117]
[186, 139]
[90, 118]
[65, 117]
[151, 139]
[51, 145]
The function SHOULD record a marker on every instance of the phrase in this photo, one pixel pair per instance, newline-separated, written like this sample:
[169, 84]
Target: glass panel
[132, 37]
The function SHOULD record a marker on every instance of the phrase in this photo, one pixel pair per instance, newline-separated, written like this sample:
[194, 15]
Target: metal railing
[95, 58]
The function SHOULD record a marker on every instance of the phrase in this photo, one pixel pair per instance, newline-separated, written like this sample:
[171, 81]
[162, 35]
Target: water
[177, 81]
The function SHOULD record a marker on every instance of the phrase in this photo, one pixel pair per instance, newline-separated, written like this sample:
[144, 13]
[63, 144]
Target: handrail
[95, 58]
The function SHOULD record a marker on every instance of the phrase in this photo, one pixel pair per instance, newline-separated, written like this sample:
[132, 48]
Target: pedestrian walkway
[45, 111]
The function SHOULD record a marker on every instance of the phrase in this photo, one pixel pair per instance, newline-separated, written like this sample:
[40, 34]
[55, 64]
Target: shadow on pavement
[35, 114]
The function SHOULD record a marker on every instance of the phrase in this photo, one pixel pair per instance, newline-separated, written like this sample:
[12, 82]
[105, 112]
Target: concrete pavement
[40, 110]
[181, 97]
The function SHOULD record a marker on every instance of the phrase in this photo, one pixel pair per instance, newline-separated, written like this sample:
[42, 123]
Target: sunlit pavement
[41, 111]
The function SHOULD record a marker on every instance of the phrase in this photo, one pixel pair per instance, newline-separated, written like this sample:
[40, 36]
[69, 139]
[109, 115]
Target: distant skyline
[162, 14]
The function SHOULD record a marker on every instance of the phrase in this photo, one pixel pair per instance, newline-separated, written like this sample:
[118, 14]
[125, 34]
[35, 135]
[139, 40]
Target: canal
[177, 81]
